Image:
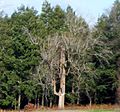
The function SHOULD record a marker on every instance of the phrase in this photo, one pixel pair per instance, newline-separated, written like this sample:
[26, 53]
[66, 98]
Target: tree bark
[43, 98]
[61, 92]
[62, 80]
[89, 97]
[61, 97]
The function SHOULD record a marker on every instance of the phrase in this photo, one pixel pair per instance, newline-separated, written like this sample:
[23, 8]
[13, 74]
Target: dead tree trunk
[61, 92]
[60, 95]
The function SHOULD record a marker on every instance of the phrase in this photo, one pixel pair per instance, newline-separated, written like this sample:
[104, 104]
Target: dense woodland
[55, 57]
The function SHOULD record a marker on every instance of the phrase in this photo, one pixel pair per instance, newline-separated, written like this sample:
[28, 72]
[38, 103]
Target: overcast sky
[89, 9]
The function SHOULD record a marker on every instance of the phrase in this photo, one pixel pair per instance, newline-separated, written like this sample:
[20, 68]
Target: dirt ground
[80, 111]
[75, 108]
[93, 108]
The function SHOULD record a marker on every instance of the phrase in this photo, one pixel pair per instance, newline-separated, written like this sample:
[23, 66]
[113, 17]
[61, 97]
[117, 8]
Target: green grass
[116, 110]
[100, 111]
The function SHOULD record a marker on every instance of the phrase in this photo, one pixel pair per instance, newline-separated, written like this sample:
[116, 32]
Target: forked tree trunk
[61, 96]
[89, 97]
[61, 92]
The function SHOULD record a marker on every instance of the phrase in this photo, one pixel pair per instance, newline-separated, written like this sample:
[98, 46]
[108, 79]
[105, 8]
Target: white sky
[89, 9]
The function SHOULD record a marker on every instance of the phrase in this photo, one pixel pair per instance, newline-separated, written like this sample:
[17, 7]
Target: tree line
[55, 58]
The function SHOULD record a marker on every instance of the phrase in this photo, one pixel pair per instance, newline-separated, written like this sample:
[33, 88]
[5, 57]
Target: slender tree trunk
[43, 100]
[15, 104]
[89, 97]
[35, 103]
[50, 102]
[78, 99]
[46, 96]
[73, 88]
[78, 95]
[19, 100]
[38, 103]
[90, 102]
[95, 98]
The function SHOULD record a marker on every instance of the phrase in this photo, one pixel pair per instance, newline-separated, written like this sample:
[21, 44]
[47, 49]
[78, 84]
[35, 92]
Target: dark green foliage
[53, 18]
[58, 19]
[17, 57]
[108, 30]
[23, 71]
[46, 17]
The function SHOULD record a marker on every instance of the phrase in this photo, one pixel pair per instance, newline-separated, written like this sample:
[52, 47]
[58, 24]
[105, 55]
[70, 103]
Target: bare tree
[76, 47]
